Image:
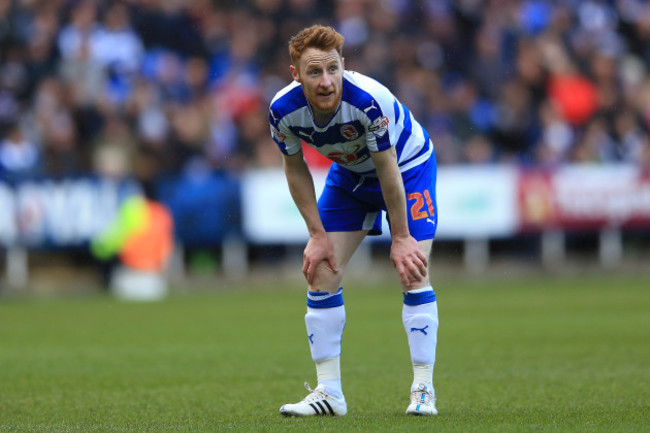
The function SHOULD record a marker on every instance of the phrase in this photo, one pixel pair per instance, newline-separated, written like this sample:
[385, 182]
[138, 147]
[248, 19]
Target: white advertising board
[269, 214]
[473, 202]
[477, 202]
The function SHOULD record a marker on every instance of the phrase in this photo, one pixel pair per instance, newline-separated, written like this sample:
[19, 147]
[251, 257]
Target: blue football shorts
[351, 202]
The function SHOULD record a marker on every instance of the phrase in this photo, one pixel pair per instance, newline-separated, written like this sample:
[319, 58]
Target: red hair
[317, 36]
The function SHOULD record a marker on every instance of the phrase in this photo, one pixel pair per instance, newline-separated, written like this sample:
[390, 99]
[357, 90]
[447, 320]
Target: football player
[383, 161]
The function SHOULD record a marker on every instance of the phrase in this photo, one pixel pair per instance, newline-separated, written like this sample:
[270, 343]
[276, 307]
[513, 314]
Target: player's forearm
[395, 198]
[392, 189]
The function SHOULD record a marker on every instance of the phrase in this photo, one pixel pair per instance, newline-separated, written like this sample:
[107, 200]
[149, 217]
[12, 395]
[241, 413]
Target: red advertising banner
[584, 197]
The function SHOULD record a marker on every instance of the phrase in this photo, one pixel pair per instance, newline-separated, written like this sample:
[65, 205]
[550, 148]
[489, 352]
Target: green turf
[527, 355]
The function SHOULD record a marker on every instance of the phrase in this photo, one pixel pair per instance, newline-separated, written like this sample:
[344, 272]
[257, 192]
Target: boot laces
[314, 394]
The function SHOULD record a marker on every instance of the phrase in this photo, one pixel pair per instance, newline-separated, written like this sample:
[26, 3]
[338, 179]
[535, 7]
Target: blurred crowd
[153, 87]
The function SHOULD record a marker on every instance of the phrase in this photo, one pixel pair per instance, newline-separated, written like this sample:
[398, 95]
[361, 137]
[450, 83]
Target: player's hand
[410, 262]
[318, 249]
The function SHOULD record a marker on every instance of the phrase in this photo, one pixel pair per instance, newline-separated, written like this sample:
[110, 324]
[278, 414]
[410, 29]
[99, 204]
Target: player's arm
[301, 187]
[410, 262]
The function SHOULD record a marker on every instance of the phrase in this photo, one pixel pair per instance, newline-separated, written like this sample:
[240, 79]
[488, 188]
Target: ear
[294, 73]
[343, 63]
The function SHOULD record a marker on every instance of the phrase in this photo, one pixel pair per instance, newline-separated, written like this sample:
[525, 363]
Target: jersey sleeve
[380, 120]
[286, 140]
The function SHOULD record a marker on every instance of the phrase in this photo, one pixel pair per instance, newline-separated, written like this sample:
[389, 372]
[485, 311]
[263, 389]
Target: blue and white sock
[325, 321]
[420, 318]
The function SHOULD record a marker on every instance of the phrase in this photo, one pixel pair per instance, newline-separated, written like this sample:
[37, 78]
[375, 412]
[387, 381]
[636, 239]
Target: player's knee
[326, 280]
[416, 285]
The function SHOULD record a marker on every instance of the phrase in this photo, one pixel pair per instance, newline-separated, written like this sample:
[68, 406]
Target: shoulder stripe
[397, 111]
[294, 99]
[406, 132]
[361, 100]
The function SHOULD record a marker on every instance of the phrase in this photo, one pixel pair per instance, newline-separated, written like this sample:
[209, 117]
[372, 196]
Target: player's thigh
[425, 246]
[345, 244]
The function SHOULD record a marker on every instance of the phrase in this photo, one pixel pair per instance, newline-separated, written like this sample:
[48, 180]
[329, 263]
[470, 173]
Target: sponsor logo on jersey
[349, 132]
[342, 158]
[280, 137]
[379, 126]
[353, 158]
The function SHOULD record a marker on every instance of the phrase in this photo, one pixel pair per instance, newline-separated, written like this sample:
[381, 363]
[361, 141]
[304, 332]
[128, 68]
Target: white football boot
[317, 402]
[423, 401]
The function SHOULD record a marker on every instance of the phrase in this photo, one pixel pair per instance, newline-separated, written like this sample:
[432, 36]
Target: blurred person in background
[498, 84]
[114, 149]
[20, 158]
[383, 161]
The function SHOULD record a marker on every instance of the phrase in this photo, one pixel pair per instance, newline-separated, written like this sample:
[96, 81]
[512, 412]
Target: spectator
[81, 32]
[535, 81]
[19, 157]
[114, 150]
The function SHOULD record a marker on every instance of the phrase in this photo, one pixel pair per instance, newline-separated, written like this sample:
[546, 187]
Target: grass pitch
[567, 354]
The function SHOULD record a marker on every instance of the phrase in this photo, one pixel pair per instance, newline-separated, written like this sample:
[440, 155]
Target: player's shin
[420, 318]
[325, 321]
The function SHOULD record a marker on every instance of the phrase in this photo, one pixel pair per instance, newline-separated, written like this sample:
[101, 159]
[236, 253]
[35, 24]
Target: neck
[322, 117]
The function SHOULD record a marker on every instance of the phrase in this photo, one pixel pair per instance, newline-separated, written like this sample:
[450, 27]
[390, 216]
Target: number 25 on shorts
[418, 209]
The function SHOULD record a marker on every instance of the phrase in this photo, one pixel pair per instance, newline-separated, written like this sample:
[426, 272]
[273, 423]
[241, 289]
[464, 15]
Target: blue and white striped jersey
[369, 119]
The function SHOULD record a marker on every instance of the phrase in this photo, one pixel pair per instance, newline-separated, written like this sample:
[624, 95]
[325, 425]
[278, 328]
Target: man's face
[321, 75]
